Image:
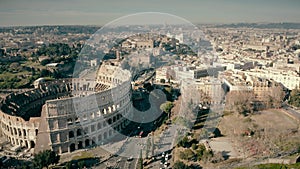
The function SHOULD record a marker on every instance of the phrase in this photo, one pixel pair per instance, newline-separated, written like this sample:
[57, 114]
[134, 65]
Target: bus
[141, 134]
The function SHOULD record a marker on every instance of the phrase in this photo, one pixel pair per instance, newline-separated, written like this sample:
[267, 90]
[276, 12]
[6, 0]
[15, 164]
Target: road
[292, 112]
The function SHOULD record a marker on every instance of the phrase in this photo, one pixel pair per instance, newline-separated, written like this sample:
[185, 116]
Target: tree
[45, 61]
[44, 73]
[14, 66]
[140, 166]
[200, 151]
[240, 102]
[45, 158]
[275, 97]
[187, 154]
[81, 164]
[217, 157]
[194, 146]
[207, 155]
[180, 165]
[68, 165]
[295, 98]
[184, 142]
[167, 107]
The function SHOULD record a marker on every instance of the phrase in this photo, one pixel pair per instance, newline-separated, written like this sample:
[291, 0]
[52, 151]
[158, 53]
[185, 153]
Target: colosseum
[69, 114]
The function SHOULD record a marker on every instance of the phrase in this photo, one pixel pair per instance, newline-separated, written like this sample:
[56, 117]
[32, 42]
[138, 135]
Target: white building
[288, 78]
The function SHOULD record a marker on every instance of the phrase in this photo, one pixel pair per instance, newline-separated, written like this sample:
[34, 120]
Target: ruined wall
[69, 114]
[18, 131]
[80, 122]
[20, 112]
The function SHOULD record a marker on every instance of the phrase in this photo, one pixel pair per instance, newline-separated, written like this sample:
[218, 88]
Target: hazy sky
[99, 12]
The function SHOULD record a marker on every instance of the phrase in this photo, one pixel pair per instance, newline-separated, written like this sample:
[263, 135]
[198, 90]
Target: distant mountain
[261, 25]
[55, 29]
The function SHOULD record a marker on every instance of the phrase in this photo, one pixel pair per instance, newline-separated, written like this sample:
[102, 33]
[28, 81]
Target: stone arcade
[69, 114]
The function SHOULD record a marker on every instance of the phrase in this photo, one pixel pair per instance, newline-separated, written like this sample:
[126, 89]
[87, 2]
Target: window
[92, 116]
[92, 128]
[84, 118]
[79, 132]
[70, 121]
[71, 134]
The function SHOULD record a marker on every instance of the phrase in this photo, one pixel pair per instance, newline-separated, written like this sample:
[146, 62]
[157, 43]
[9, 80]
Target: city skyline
[92, 12]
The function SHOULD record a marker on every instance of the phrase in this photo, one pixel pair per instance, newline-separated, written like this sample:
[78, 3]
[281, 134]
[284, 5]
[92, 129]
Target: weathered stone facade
[69, 114]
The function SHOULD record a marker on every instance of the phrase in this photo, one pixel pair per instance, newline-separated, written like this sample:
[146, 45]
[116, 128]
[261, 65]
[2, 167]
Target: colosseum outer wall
[79, 122]
[76, 113]
[18, 131]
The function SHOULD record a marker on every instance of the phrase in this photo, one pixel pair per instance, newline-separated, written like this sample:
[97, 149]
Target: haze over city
[94, 12]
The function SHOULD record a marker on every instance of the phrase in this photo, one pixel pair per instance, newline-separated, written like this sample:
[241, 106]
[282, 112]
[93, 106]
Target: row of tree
[54, 49]
[245, 102]
[45, 159]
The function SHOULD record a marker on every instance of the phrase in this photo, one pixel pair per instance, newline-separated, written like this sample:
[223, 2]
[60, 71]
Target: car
[167, 156]
[129, 158]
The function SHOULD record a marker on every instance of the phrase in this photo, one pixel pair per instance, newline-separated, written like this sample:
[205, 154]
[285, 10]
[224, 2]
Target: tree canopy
[45, 158]
[180, 165]
[240, 102]
[295, 98]
[167, 106]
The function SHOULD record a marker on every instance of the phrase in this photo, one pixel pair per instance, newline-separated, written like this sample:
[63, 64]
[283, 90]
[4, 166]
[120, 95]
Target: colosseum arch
[24, 132]
[69, 121]
[19, 132]
[79, 132]
[86, 130]
[93, 140]
[80, 145]
[72, 147]
[99, 138]
[105, 135]
[26, 144]
[92, 128]
[92, 115]
[99, 126]
[71, 134]
[32, 144]
[109, 121]
[87, 143]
